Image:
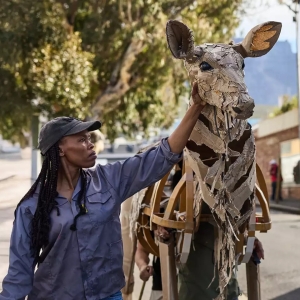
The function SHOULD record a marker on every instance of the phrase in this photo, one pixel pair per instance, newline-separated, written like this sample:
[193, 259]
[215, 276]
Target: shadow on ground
[293, 295]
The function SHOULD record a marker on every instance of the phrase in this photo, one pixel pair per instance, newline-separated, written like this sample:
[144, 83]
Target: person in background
[296, 173]
[273, 171]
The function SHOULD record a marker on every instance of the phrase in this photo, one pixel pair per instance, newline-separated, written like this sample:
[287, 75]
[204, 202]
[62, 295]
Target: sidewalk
[14, 183]
[15, 164]
[285, 205]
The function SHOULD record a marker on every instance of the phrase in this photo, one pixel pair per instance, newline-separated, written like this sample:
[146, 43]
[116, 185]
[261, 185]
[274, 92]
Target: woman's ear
[61, 146]
[61, 152]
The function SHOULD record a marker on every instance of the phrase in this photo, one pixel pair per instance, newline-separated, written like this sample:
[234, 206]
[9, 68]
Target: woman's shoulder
[98, 177]
[28, 205]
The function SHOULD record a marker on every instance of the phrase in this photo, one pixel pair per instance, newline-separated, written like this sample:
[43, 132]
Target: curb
[283, 208]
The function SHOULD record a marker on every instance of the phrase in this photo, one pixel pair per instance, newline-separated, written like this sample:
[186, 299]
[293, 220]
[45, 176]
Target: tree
[98, 58]
[288, 103]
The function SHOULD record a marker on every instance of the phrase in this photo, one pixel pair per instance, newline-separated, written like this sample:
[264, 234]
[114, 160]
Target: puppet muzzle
[245, 107]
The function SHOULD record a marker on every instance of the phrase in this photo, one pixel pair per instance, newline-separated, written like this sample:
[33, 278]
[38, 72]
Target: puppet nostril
[237, 110]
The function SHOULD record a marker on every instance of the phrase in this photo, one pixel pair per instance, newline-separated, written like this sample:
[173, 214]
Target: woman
[68, 222]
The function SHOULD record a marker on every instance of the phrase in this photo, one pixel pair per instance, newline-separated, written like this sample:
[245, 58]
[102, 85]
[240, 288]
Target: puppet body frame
[219, 166]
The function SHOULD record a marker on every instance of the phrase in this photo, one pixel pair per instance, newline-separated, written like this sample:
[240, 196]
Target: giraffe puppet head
[218, 68]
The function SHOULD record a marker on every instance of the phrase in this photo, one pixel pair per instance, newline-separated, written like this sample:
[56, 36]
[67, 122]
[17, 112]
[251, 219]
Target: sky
[272, 11]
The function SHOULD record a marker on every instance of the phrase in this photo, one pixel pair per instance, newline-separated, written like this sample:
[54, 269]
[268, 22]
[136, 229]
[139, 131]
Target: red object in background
[273, 172]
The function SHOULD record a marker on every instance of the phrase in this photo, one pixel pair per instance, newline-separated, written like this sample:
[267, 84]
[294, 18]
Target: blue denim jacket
[87, 263]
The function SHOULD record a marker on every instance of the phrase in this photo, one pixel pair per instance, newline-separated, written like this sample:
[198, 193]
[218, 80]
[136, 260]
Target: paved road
[280, 271]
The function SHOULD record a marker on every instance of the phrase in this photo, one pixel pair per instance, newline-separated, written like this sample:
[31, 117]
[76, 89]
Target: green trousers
[198, 272]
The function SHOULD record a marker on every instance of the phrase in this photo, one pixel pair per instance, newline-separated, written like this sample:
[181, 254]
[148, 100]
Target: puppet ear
[259, 40]
[180, 39]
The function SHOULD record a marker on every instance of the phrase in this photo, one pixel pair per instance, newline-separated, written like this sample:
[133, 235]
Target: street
[280, 271]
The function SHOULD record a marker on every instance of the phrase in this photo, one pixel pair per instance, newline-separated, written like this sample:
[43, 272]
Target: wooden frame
[182, 197]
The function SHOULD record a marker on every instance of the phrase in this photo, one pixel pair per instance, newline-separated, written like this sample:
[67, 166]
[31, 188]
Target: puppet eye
[243, 66]
[204, 66]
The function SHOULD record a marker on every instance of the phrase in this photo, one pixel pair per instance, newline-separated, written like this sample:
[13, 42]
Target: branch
[124, 83]
[73, 11]
[290, 8]
[129, 11]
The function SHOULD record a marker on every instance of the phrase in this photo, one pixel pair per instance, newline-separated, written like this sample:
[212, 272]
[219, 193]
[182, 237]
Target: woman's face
[77, 149]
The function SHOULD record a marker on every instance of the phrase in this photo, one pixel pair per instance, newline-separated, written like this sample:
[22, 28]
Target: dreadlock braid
[47, 179]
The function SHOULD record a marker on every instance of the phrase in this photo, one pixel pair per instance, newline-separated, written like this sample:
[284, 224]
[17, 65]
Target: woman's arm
[17, 284]
[179, 137]
[138, 172]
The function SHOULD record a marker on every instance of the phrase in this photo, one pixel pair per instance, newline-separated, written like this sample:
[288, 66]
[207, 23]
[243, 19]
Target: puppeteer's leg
[129, 246]
[274, 185]
[233, 289]
[197, 274]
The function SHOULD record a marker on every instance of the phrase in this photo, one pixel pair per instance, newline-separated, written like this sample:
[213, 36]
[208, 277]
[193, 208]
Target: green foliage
[97, 58]
[289, 103]
[43, 66]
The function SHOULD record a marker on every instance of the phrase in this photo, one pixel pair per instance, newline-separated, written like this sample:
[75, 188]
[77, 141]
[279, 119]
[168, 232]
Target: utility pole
[296, 19]
[35, 153]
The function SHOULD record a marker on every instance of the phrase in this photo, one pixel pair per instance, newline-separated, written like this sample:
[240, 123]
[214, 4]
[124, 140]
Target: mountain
[272, 75]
